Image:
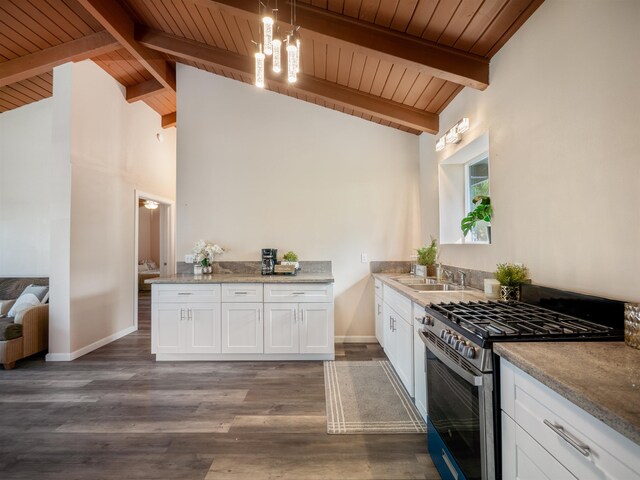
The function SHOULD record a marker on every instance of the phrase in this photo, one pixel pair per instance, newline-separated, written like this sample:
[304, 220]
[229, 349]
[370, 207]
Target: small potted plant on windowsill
[482, 212]
[427, 258]
[511, 276]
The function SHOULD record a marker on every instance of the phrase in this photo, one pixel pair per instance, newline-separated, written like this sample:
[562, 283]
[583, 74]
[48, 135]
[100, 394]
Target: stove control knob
[470, 352]
[428, 321]
[460, 346]
[453, 339]
[444, 334]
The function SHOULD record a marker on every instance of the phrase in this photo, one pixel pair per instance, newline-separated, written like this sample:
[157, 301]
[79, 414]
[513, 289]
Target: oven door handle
[465, 374]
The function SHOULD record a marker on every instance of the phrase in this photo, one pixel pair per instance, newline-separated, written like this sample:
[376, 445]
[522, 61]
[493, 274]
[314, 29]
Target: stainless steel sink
[436, 287]
[414, 280]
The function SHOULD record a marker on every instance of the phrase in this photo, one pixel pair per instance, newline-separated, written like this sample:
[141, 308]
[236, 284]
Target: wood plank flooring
[117, 414]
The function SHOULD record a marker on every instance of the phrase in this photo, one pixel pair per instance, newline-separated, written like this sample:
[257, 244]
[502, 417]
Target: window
[462, 175]
[477, 183]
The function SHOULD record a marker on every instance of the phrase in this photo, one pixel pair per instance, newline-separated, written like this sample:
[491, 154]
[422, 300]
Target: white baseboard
[356, 339]
[67, 357]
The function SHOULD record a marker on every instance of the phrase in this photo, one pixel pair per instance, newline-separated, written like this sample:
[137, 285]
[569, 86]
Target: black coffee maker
[269, 260]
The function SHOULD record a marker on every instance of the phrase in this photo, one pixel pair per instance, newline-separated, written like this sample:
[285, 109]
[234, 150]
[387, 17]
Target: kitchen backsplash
[254, 267]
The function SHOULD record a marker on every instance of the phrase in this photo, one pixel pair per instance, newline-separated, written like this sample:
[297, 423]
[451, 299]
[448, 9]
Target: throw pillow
[40, 291]
[24, 301]
[151, 265]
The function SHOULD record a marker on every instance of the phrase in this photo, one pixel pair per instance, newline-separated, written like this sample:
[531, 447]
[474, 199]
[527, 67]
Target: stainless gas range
[463, 374]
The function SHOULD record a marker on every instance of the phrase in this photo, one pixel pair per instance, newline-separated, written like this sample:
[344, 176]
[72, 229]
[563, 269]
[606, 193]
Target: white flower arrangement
[205, 252]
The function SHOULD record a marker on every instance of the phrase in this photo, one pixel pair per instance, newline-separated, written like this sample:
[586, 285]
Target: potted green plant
[427, 257]
[511, 276]
[290, 258]
[482, 212]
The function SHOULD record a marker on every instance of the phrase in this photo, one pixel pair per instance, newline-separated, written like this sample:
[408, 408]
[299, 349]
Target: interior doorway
[154, 249]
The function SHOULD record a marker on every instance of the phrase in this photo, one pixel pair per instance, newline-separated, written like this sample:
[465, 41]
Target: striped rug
[368, 397]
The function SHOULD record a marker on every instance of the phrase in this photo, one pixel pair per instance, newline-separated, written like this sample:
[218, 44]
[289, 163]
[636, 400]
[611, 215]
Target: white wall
[113, 152]
[25, 165]
[257, 169]
[562, 115]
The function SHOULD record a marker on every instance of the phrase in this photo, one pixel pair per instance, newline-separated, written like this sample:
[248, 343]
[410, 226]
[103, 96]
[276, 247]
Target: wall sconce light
[453, 135]
[150, 204]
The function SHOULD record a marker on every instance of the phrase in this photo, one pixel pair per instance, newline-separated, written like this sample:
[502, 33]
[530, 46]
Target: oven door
[460, 403]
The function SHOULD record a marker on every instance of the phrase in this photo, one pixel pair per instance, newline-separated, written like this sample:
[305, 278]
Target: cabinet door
[281, 333]
[524, 459]
[388, 334]
[404, 352]
[242, 330]
[203, 328]
[170, 324]
[316, 328]
[379, 321]
[419, 375]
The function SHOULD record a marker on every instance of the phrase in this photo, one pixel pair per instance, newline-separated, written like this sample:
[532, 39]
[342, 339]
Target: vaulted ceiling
[398, 63]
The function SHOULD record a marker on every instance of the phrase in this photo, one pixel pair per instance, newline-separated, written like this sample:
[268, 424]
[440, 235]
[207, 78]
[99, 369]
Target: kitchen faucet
[463, 277]
[448, 274]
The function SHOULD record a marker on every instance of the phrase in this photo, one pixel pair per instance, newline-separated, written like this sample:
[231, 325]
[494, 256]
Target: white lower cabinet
[544, 432]
[398, 344]
[299, 328]
[316, 328]
[524, 458]
[188, 328]
[253, 322]
[242, 330]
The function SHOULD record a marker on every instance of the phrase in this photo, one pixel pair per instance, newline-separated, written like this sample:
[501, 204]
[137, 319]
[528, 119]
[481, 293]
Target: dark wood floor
[117, 414]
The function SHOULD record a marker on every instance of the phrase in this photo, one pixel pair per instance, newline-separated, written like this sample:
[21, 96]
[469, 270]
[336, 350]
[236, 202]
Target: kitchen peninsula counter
[602, 378]
[186, 278]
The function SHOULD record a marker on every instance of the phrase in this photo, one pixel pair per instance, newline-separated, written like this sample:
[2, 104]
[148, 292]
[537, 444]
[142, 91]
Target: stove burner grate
[499, 320]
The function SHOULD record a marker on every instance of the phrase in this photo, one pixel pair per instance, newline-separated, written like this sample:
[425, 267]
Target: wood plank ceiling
[398, 63]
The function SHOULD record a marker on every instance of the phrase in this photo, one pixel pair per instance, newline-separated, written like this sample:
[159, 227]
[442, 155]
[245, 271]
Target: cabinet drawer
[172, 293]
[400, 303]
[298, 292]
[548, 417]
[242, 292]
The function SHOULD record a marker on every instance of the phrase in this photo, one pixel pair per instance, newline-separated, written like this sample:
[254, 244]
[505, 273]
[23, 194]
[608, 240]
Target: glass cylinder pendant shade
[298, 55]
[268, 35]
[277, 60]
[260, 69]
[292, 62]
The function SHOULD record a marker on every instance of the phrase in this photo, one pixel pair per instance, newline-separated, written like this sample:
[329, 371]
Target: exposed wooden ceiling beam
[169, 120]
[111, 15]
[144, 90]
[362, 102]
[43, 61]
[397, 48]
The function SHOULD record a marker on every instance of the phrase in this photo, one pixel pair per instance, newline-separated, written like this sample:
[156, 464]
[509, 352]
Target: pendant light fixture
[271, 44]
[267, 23]
[260, 68]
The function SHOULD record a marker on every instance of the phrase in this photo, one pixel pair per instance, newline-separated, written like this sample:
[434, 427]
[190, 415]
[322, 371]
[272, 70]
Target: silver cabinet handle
[301, 315]
[563, 434]
[240, 293]
[295, 315]
[453, 471]
[181, 314]
[190, 315]
[259, 316]
[297, 293]
[379, 308]
[185, 293]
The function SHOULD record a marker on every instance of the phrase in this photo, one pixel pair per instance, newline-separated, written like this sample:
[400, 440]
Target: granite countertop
[244, 278]
[602, 378]
[425, 298]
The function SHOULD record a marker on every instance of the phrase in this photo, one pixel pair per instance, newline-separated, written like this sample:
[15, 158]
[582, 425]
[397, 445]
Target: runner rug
[368, 397]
